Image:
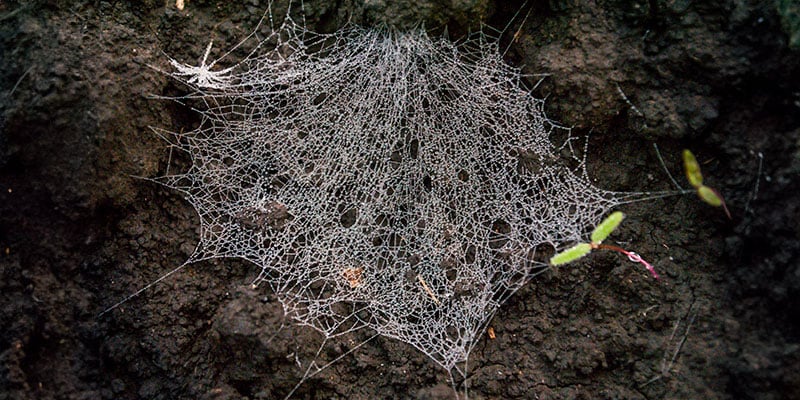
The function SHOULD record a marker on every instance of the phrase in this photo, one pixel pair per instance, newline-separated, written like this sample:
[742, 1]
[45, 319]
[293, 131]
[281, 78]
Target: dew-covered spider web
[382, 180]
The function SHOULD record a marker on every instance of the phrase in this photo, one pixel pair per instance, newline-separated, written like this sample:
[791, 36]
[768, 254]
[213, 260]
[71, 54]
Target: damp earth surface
[79, 231]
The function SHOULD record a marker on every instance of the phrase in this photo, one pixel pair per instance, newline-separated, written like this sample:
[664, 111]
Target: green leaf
[709, 196]
[571, 254]
[692, 169]
[605, 228]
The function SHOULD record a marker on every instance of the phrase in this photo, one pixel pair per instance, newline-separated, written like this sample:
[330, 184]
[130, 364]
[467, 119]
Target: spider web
[382, 180]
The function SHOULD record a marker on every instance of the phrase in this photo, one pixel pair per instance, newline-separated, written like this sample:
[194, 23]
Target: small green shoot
[605, 228]
[600, 233]
[692, 168]
[571, 254]
[695, 177]
[709, 196]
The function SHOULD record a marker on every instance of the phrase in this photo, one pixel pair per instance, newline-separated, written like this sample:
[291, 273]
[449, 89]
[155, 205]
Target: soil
[78, 231]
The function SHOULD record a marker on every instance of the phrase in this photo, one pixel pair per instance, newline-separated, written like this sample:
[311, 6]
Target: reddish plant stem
[722, 200]
[631, 256]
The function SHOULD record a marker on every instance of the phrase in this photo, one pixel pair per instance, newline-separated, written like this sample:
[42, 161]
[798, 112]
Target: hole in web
[427, 183]
[348, 219]
[469, 255]
[413, 148]
[425, 107]
[448, 92]
[463, 175]
[319, 99]
[279, 181]
[487, 132]
[395, 158]
[451, 274]
[382, 220]
[499, 235]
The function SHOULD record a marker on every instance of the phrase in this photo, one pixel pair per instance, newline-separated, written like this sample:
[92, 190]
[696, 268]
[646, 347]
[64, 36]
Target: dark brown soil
[78, 232]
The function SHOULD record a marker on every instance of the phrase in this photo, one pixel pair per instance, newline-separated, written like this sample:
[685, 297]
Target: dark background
[78, 232]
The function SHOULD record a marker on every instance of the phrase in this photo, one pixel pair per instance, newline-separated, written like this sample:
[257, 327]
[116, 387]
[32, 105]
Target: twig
[428, 290]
